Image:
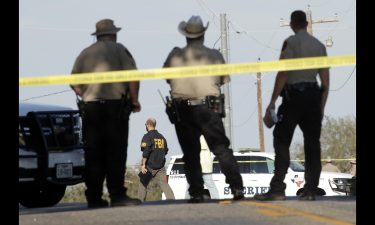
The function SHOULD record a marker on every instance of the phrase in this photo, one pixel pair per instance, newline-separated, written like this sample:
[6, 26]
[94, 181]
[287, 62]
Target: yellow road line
[192, 71]
[274, 210]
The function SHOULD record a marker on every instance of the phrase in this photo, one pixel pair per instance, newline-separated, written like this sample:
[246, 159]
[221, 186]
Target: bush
[76, 193]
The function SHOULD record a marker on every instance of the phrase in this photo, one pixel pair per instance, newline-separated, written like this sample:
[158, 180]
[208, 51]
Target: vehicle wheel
[42, 196]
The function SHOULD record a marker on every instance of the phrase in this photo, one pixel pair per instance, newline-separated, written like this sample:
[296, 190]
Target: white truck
[51, 154]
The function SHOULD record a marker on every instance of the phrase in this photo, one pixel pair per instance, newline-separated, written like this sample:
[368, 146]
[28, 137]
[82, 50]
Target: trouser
[298, 108]
[210, 184]
[159, 176]
[195, 121]
[105, 134]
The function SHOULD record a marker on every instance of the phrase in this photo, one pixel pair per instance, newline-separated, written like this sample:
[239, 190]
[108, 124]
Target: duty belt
[103, 101]
[301, 86]
[191, 102]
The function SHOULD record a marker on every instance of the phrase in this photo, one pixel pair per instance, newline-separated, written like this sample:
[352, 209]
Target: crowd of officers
[195, 109]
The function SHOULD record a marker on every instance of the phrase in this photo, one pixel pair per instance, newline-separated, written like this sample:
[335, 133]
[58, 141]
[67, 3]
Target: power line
[204, 6]
[88, 30]
[252, 113]
[321, 4]
[41, 96]
[331, 31]
[250, 36]
[268, 43]
[216, 41]
[346, 80]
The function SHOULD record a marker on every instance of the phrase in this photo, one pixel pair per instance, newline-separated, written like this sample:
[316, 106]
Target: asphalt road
[325, 210]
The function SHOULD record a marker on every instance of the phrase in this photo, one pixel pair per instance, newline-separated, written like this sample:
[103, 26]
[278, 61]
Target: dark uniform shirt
[300, 45]
[154, 148]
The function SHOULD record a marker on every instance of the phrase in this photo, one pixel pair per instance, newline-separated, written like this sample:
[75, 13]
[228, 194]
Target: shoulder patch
[144, 144]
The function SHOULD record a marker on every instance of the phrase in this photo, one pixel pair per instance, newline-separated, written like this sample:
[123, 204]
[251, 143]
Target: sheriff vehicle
[50, 153]
[256, 169]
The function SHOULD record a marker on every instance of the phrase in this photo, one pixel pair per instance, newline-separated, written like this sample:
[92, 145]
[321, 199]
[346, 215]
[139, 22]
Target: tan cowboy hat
[105, 26]
[193, 28]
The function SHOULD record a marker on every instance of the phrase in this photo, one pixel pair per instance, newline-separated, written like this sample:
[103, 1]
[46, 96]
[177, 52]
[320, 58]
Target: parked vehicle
[50, 152]
[256, 169]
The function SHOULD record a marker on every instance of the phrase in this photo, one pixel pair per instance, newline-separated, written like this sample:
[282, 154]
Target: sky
[53, 33]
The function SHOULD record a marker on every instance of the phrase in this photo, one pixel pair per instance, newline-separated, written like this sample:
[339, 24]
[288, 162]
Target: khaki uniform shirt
[195, 54]
[300, 45]
[205, 155]
[100, 57]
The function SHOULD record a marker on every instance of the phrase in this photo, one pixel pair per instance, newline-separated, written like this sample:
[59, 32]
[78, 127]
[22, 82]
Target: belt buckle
[193, 102]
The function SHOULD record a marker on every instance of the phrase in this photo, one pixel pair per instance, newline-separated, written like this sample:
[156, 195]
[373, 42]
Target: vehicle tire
[48, 194]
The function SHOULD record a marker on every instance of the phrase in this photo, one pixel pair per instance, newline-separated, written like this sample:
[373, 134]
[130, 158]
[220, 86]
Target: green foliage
[76, 193]
[132, 182]
[338, 141]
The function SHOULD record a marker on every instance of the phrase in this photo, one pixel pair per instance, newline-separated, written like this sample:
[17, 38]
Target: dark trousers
[105, 134]
[298, 108]
[195, 121]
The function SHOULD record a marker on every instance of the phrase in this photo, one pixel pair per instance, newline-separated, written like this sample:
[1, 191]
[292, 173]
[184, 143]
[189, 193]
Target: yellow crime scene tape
[193, 71]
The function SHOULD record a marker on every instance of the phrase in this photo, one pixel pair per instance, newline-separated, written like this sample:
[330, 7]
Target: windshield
[297, 167]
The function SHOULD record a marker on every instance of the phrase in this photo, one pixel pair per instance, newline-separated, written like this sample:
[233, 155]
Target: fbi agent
[154, 148]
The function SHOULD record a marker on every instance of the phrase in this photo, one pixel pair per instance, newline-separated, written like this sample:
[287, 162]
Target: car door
[257, 179]
[219, 177]
[177, 179]
[255, 172]
[294, 179]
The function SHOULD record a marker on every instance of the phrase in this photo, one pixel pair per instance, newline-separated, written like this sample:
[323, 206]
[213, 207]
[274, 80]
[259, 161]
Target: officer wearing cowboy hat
[105, 121]
[190, 96]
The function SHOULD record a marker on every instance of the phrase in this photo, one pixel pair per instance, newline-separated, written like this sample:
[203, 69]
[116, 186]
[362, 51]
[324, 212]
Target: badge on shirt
[144, 144]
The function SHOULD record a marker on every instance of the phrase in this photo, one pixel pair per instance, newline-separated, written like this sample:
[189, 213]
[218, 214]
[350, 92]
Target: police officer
[329, 167]
[154, 147]
[105, 117]
[194, 116]
[303, 104]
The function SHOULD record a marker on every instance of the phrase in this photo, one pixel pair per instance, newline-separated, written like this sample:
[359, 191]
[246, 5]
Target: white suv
[256, 169]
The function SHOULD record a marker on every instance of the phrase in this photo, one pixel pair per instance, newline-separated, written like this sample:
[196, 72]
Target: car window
[178, 167]
[260, 164]
[297, 167]
[243, 164]
[216, 166]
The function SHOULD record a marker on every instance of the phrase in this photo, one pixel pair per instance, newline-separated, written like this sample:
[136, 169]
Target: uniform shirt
[195, 54]
[100, 57]
[302, 44]
[205, 155]
[154, 147]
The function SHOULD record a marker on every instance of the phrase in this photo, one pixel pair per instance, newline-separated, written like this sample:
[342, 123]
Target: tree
[338, 140]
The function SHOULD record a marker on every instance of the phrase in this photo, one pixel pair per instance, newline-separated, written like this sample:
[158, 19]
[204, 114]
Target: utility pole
[226, 87]
[260, 113]
[310, 20]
